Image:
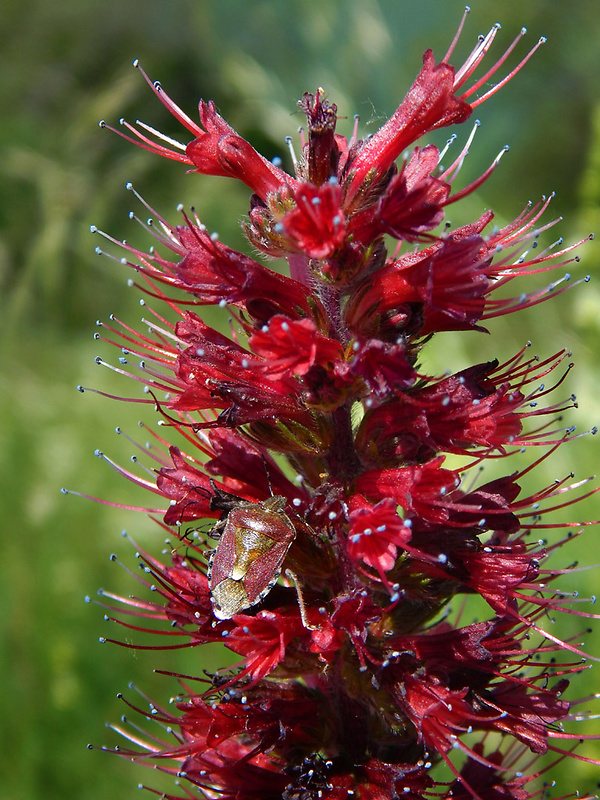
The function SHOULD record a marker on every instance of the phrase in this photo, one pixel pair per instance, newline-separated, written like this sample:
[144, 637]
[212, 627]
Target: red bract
[318, 527]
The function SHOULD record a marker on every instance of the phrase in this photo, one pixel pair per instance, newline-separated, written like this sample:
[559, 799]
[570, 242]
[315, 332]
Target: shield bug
[254, 541]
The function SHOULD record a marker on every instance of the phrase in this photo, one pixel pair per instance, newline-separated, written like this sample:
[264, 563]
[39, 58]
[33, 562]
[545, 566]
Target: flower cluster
[315, 444]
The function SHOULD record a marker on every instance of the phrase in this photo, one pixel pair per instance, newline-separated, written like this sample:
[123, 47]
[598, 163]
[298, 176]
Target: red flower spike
[316, 526]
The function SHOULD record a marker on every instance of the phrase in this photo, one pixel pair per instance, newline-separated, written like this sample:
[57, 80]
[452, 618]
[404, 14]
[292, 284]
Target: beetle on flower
[317, 445]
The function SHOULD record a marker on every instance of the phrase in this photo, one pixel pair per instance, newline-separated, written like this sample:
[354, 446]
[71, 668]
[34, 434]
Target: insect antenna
[266, 466]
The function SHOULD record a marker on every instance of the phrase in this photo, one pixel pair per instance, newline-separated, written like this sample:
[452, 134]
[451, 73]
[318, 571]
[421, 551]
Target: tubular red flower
[315, 226]
[216, 149]
[219, 150]
[376, 534]
[429, 104]
[412, 204]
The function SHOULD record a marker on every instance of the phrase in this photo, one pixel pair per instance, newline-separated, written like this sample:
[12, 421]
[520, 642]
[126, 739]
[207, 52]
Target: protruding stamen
[457, 34]
[164, 98]
[497, 65]
[159, 135]
[450, 174]
[443, 152]
[510, 75]
[476, 56]
[113, 505]
[290, 144]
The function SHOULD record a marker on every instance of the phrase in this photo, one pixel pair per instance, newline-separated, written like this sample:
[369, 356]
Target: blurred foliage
[66, 65]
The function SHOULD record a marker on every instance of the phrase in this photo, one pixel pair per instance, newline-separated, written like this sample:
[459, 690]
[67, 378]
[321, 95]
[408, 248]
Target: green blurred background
[67, 64]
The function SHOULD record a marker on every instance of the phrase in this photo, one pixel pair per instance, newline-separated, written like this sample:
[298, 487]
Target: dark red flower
[421, 489]
[413, 202]
[316, 225]
[219, 150]
[293, 347]
[376, 533]
[263, 640]
[187, 489]
[430, 103]
[216, 149]
[384, 367]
